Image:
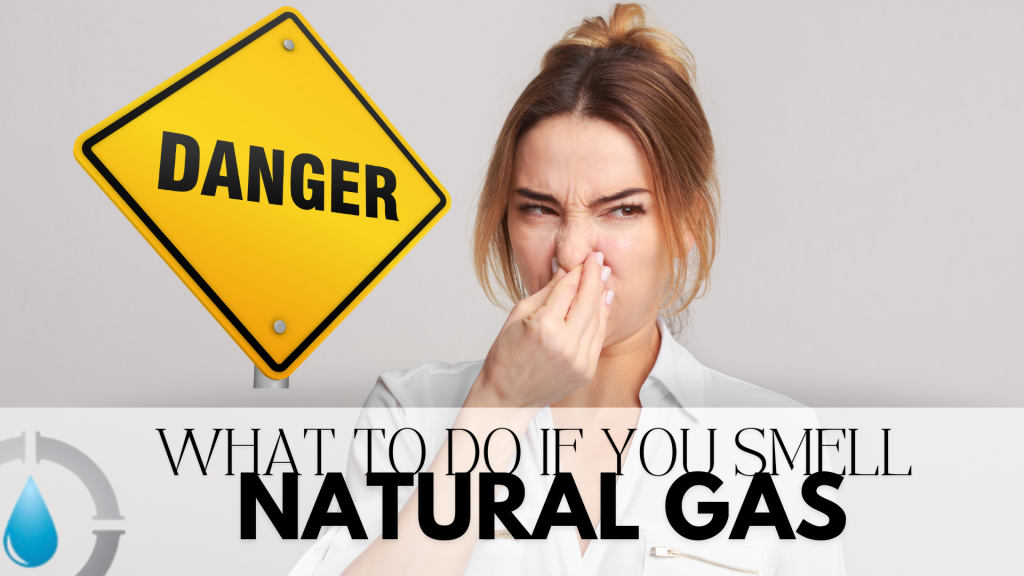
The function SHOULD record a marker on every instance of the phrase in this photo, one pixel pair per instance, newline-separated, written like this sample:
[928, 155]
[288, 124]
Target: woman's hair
[639, 78]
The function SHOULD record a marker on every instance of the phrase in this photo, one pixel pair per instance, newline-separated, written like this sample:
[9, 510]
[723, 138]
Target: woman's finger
[607, 297]
[585, 306]
[534, 301]
[593, 324]
[587, 340]
[562, 293]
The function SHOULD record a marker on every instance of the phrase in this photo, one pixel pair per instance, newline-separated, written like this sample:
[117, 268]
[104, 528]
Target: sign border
[218, 56]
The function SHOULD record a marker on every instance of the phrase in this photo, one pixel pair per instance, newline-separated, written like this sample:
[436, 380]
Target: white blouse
[678, 393]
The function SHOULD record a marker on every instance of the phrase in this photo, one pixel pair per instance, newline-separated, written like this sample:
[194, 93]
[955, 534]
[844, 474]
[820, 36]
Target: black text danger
[306, 193]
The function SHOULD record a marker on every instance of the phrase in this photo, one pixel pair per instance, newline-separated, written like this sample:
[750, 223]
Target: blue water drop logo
[30, 539]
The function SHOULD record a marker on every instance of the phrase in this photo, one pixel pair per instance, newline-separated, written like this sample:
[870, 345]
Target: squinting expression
[581, 186]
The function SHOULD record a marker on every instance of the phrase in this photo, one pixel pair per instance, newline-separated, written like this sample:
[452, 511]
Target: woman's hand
[551, 342]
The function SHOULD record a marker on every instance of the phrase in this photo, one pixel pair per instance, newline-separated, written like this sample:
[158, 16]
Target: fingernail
[609, 297]
[606, 273]
[554, 264]
[600, 259]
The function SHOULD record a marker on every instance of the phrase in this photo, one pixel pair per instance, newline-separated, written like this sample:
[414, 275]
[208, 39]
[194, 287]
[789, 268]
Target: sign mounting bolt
[288, 44]
[279, 327]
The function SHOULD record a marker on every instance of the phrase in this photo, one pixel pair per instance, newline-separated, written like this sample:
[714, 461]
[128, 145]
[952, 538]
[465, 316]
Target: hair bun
[627, 27]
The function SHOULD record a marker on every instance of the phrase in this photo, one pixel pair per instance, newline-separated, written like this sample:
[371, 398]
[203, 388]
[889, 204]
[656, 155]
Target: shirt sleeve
[382, 415]
[397, 414]
[803, 557]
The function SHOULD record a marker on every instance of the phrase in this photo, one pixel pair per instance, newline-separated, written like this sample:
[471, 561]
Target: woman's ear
[681, 251]
[696, 212]
[689, 240]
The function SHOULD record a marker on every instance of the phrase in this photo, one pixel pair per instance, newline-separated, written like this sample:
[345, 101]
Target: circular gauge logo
[30, 538]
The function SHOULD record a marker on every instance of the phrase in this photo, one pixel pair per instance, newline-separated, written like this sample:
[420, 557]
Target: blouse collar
[680, 375]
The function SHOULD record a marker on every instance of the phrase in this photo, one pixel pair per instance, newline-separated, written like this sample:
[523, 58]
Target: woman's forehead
[570, 158]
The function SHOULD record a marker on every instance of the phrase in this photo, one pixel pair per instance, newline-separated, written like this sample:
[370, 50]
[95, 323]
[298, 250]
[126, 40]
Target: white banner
[948, 505]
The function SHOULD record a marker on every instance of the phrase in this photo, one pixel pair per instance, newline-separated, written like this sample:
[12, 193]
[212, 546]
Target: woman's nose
[575, 242]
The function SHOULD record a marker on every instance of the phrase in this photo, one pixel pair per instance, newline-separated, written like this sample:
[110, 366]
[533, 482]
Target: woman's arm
[548, 347]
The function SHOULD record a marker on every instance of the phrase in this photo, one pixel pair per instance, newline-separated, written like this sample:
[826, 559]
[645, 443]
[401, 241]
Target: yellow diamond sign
[272, 185]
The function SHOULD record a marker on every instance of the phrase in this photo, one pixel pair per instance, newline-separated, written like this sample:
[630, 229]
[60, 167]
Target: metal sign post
[261, 381]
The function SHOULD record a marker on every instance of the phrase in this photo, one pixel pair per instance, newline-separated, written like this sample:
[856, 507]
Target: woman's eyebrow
[537, 196]
[618, 196]
[541, 197]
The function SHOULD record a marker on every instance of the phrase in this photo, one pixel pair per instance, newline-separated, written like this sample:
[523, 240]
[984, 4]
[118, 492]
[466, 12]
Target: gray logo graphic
[75, 461]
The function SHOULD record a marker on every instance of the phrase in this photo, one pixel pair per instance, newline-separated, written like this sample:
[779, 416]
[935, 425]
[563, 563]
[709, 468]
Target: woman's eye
[627, 211]
[536, 210]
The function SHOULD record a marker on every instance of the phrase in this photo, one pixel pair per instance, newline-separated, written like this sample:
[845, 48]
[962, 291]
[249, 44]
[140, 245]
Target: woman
[598, 216]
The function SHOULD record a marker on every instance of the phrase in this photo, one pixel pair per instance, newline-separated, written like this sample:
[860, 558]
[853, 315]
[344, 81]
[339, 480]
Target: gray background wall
[870, 165]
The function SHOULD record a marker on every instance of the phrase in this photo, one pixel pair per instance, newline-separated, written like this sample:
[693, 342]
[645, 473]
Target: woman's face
[582, 185]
